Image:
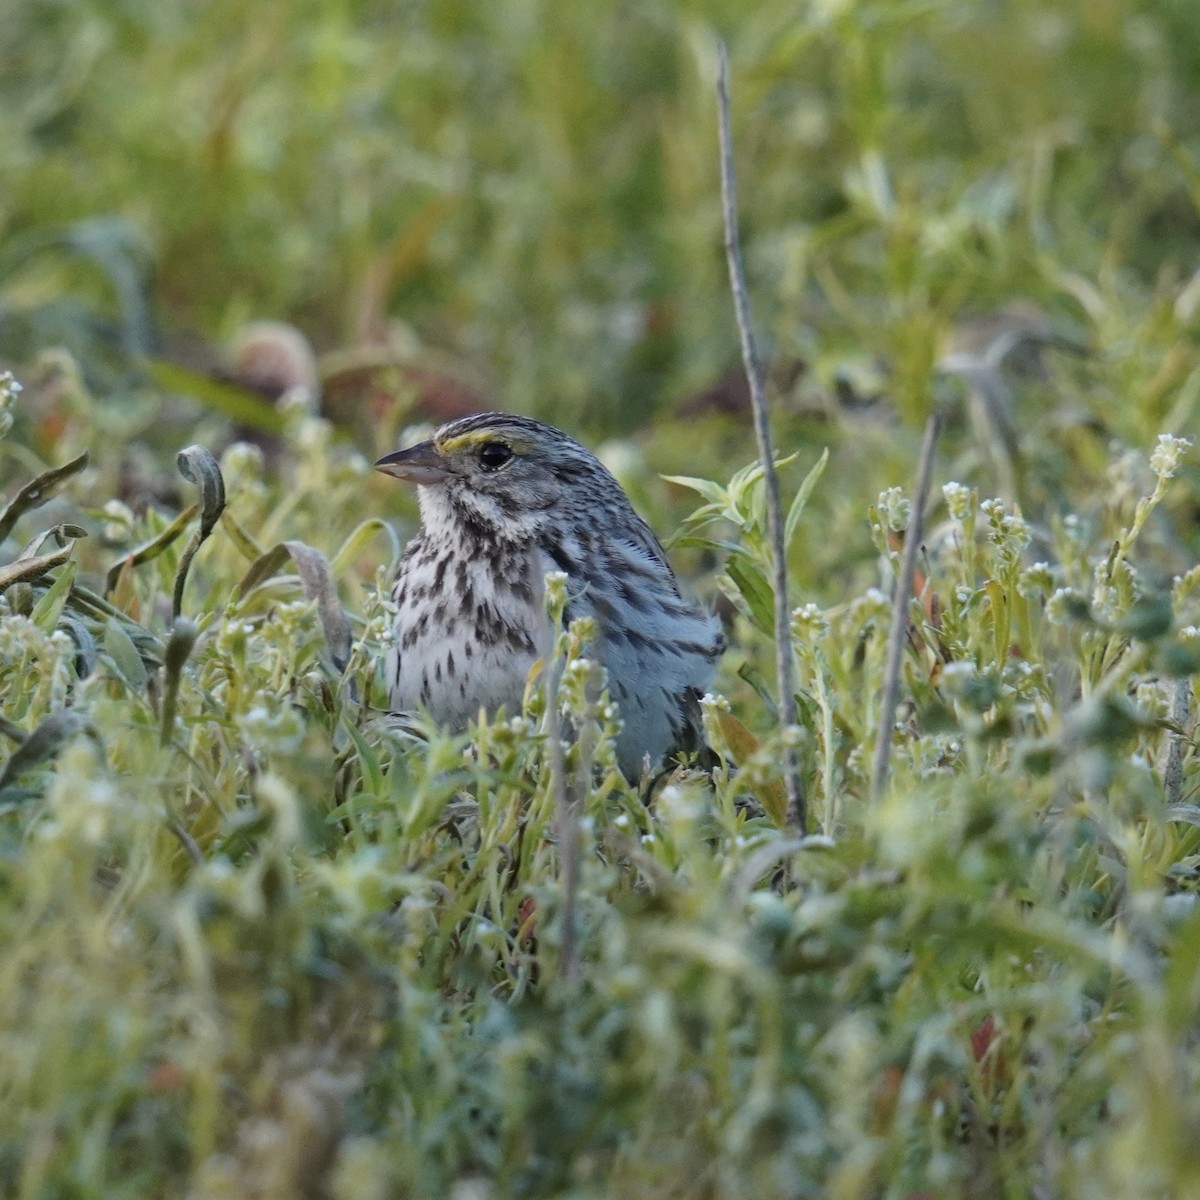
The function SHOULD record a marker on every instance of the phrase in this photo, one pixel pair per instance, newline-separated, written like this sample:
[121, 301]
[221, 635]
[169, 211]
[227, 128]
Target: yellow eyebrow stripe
[477, 437]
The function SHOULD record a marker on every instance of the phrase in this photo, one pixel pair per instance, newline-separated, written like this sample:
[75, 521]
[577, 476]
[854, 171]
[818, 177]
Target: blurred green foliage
[261, 942]
[532, 186]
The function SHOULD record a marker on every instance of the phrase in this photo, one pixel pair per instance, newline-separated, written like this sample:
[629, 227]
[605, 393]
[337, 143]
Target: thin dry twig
[898, 635]
[797, 808]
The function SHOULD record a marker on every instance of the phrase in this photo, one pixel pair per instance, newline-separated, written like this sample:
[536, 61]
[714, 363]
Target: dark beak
[417, 464]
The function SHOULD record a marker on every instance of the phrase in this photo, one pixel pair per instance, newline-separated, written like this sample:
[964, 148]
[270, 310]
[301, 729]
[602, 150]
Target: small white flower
[10, 389]
[895, 509]
[1034, 580]
[958, 500]
[809, 623]
[1164, 458]
[1017, 529]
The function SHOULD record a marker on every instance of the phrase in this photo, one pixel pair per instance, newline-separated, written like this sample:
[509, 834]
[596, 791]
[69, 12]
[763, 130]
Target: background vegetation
[260, 943]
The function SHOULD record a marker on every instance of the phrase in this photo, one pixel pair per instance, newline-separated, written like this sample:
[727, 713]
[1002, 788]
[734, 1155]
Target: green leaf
[369, 760]
[124, 656]
[750, 476]
[48, 610]
[319, 586]
[714, 493]
[263, 567]
[37, 491]
[152, 548]
[43, 743]
[695, 542]
[357, 542]
[25, 569]
[197, 465]
[246, 545]
[62, 535]
[758, 681]
[238, 404]
[755, 589]
[317, 581]
[85, 601]
[179, 645]
[802, 497]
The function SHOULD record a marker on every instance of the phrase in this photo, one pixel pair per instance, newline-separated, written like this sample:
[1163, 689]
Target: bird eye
[493, 455]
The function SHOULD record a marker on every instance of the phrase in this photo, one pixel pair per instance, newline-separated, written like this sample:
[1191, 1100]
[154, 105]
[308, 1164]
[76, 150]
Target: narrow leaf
[714, 493]
[368, 759]
[695, 542]
[43, 743]
[90, 604]
[317, 581]
[742, 743]
[266, 565]
[124, 656]
[231, 401]
[197, 465]
[151, 549]
[62, 534]
[86, 651]
[48, 610]
[318, 586]
[247, 547]
[802, 496]
[179, 645]
[37, 491]
[753, 585]
[758, 681]
[357, 542]
[25, 569]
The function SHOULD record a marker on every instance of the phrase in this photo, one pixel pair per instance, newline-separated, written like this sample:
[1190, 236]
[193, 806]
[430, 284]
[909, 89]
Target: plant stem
[567, 820]
[1175, 746]
[899, 631]
[797, 809]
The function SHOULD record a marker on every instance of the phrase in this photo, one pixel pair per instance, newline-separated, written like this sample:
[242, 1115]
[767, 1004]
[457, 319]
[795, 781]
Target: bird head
[512, 475]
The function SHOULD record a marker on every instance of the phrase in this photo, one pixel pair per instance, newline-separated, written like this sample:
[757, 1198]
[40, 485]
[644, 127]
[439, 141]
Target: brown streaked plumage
[504, 500]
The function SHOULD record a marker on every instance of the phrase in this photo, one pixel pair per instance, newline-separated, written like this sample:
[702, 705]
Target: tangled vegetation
[261, 940]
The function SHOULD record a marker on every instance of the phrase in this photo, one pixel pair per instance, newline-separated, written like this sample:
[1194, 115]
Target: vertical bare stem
[797, 808]
[1176, 744]
[899, 631]
[567, 820]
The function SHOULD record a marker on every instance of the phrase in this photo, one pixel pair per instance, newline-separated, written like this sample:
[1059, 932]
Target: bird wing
[643, 538]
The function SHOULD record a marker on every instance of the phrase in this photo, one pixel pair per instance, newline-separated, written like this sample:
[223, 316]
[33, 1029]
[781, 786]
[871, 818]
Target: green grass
[260, 942]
